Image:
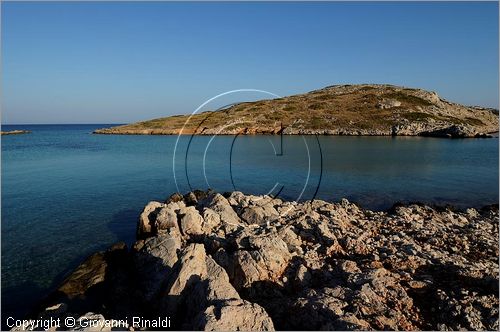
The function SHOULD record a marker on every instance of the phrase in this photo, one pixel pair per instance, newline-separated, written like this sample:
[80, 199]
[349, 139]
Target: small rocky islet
[352, 110]
[14, 132]
[240, 262]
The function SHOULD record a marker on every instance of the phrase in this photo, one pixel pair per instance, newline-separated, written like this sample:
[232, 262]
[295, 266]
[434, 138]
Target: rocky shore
[240, 262]
[407, 129]
[15, 132]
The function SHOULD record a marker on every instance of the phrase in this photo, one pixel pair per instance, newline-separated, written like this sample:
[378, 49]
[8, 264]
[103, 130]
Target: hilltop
[365, 109]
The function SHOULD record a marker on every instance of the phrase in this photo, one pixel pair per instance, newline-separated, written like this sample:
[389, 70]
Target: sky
[96, 62]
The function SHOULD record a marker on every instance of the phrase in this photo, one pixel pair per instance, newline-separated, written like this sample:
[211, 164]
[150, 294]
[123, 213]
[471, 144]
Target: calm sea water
[67, 193]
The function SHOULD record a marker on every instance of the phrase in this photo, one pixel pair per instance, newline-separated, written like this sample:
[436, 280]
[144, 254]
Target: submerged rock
[241, 262]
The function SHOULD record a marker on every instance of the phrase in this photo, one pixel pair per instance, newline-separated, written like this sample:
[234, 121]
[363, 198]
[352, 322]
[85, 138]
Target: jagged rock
[311, 265]
[191, 267]
[147, 219]
[233, 315]
[199, 284]
[228, 217]
[90, 273]
[175, 197]
[302, 277]
[189, 270]
[212, 290]
[291, 239]
[190, 199]
[237, 198]
[318, 310]
[265, 259]
[191, 222]
[211, 220]
[166, 218]
[218, 286]
[259, 214]
[154, 262]
[454, 131]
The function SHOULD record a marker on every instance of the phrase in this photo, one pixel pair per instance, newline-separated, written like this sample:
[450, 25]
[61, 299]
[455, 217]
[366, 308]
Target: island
[363, 109]
[232, 262]
[15, 132]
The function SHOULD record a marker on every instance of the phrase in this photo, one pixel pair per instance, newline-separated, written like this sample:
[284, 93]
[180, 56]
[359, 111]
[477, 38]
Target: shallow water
[67, 193]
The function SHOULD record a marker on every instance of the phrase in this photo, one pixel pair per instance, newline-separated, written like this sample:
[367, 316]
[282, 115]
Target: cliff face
[237, 262]
[337, 110]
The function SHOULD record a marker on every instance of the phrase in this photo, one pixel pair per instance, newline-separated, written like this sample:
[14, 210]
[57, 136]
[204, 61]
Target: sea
[66, 192]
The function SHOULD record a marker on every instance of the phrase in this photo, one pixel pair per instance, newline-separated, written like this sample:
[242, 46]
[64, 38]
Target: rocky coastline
[15, 132]
[452, 131]
[211, 261]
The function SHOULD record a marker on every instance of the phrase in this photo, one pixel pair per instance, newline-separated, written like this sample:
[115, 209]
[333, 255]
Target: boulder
[190, 221]
[166, 218]
[259, 215]
[154, 262]
[190, 268]
[88, 274]
[233, 315]
[220, 205]
[208, 291]
[211, 220]
[264, 259]
[146, 226]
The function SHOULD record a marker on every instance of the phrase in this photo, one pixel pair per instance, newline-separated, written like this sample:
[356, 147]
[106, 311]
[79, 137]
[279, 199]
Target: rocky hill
[337, 110]
[236, 262]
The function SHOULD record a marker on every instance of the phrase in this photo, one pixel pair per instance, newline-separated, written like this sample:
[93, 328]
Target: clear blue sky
[122, 62]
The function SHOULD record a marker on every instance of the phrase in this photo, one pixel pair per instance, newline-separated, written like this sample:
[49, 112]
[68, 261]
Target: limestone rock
[147, 219]
[388, 103]
[166, 218]
[265, 260]
[245, 262]
[259, 215]
[90, 273]
[235, 315]
[191, 222]
[190, 268]
[220, 205]
[154, 263]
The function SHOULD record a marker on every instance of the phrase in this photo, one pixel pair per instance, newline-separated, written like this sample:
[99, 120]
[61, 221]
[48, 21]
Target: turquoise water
[67, 193]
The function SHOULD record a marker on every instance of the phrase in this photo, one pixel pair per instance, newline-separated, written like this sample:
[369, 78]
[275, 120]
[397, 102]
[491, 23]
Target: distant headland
[354, 110]
[15, 132]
